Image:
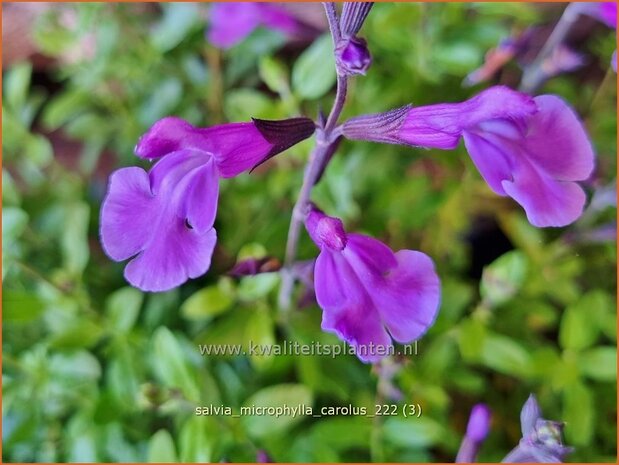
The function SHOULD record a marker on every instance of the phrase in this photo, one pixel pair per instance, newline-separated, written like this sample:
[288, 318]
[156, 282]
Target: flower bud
[352, 56]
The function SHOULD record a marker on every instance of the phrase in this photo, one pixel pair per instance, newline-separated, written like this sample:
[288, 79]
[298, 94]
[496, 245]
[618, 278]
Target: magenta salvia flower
[477, 429]
[231, 22]
[541, 439]
[164, 218]
[368, 293]
[531, 149]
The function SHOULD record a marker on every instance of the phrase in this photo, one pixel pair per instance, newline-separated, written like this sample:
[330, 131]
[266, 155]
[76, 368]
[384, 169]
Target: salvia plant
[532, 149]
[384, 194]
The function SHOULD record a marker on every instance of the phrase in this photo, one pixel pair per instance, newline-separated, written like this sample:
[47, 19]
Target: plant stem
[326, 136]
[534, 74]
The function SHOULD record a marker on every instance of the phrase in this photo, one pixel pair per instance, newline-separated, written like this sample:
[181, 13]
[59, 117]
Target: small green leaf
[471, 337]
[16, 84]
[207, 303]
[195, 442]
[503, 278]
[412, 432]
[171, 364]
[20, 306]
[123, 307]
[506, 356]
[178, 21]
[255, 287]
[260, 331]
[74, 243]
[579, 329]
[292, 395]
[599, 363]
[313, 74]
[578, 414]
[161, 448]
[274, 74]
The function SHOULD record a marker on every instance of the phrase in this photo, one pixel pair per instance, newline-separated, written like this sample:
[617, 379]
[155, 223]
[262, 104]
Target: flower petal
[179, 253]
[231, 22]
[546, 202]
[360, 326]
[127, 214]
[199, 203]
[491, 159]
[169, 135]
[408, 303]
[557, 141]
[369, 257]
[335, 282]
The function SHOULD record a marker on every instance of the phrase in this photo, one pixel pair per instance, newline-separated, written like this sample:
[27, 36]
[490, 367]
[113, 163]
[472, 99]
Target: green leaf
[195, 442]
[74, 242]
[599, 363]
[578, 329]
[274, 74]
[506, 356]
[178, 21]
[503, 278]
[74, 366]
[16, 85]
[260, 331]
[343, 433]
[471, 338]
[20, 306]
[412, 432]
[255, 287]
[161, 448]
[208, 302]
[123, 308]
[171, 364]
[313, 74]
[263, 426]
[578, 414]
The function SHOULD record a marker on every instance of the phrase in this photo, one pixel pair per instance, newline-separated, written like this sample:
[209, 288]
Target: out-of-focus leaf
[161, 448]
[471, 339]
[195, 441]
[313, 74]
[255, 287]
[293, 395]
[412, 433]
[208, 302]
[171, 364]
[260, 332]
[578, 414]
[274, 74]
[123, 307]
[178, 21]
[599, 363]
[20, 306]
[74, 243]
[579, 329]
[505, 355]
[503, 277]
[16, 84]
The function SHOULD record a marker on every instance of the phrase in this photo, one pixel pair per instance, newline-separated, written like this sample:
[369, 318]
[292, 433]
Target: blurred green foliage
[97, 371]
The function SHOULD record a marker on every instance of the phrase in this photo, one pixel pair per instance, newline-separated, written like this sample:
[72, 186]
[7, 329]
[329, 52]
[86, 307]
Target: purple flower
[368, 293]
[164, 218]
[531, 149]
[351, 52]
[541, 439]
[476, 432]
[605, 12]
[231, 22]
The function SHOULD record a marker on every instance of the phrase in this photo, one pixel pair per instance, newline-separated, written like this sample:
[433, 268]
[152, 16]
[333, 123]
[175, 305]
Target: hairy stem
[316, 164]
[534, 74]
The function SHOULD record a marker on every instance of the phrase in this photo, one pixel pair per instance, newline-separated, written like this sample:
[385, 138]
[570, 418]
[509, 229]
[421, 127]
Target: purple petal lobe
[557, 141]
[326, 231]
[167, 135]
[178, 253]
[491, 159]
[126, 214]
[547, 202]
[231, 22]
[335, 282]
[409, 300]
[529, 415]
[370, 258]
[360, 326]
